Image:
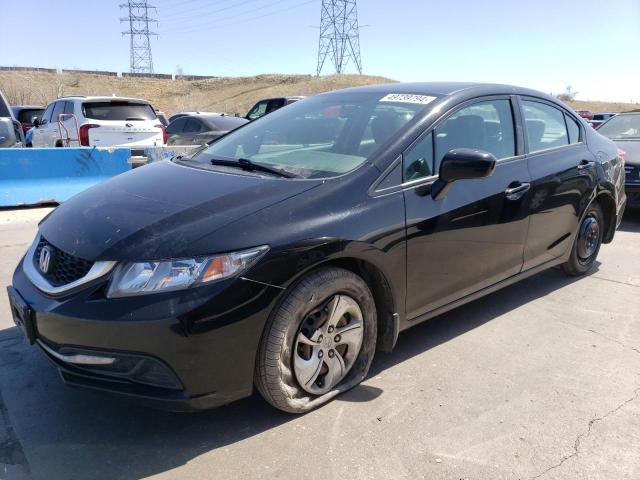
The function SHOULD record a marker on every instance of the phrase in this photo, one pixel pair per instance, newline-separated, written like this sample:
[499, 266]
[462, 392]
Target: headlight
[165, 276]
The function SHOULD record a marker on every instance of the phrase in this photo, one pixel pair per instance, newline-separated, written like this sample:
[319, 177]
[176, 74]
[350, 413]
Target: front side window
[321, 136]
[57, 110]
[258, 111]
[545, 126]
[46, 116]
[486, 126]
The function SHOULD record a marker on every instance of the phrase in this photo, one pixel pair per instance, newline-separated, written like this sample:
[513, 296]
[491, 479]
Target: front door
[475, 236]
[563, 176]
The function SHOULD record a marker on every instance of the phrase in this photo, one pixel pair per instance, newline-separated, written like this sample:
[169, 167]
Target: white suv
[99, 122]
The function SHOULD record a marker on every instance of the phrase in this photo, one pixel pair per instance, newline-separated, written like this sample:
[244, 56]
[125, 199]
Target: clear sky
[592, 45]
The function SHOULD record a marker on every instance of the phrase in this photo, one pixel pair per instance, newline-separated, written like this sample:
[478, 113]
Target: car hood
[632, 148]
[161, 211]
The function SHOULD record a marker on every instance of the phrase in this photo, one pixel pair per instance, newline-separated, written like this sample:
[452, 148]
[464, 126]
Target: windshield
[118, 110]
[320, 136]
[622, 127]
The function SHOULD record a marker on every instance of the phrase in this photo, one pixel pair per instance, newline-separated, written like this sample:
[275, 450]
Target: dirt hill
[224, 94]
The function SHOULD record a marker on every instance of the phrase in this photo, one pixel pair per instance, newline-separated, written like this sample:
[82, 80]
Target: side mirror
[36, 122]
[462, 164]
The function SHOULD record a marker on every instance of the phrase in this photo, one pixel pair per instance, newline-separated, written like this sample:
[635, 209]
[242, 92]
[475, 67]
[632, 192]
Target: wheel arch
[606, 201]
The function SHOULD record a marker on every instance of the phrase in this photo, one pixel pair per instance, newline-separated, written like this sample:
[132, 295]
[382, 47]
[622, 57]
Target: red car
[586, 114]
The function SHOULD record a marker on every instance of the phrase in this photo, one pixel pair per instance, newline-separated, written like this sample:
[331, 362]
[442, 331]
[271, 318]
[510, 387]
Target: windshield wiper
[248, 165]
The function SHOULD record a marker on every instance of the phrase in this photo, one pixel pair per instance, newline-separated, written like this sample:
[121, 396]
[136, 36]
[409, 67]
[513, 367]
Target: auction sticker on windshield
[407, 98]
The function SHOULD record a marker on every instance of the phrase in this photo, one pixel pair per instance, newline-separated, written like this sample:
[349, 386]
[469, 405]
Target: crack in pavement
[614, 281]
[622, 344]
[581, 436]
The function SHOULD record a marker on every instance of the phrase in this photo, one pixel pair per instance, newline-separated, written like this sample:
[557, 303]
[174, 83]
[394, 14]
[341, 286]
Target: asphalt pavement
[539, 380]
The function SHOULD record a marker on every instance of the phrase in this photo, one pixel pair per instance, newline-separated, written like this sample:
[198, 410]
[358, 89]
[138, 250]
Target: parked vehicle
[586, 114]
[176, 116]
[26, 115]
[11, 134]
[268, 105]
[286, 252]
[201, 128]
[624, 130]
[99, 122]
[599, 118]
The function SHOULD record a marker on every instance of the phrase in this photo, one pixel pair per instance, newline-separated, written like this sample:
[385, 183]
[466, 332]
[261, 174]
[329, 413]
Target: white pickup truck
[99, 122]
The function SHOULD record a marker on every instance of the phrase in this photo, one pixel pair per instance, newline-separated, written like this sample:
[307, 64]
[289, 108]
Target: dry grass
[225, 94]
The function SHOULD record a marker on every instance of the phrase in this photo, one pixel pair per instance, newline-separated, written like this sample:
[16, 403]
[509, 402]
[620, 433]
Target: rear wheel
[587, 243]
[319, 342]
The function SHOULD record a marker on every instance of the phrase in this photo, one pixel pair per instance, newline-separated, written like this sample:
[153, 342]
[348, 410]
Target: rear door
[475, 236]
[191, 129]
[563, 176]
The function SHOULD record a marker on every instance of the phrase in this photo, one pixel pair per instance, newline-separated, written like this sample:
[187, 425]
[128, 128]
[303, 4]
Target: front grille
[63, 268]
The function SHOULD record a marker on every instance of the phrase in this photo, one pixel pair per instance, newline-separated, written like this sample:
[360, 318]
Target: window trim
[563, 110]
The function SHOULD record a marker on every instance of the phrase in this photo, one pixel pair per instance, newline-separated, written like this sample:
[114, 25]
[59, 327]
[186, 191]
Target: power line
[227, 17]
[200, 16]
[141, 60]
[250, 19]
[339, 35]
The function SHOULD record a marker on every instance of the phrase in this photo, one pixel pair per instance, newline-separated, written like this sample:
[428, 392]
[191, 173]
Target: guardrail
[32, 176]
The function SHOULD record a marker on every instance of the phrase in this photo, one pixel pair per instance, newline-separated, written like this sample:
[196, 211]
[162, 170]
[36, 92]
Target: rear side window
[118, 110]
[192, 126]
[486, 126]
[573, 129]
[545, 126]
[4, 108]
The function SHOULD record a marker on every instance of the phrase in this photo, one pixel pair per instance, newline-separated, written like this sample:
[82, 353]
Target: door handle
[518, 191]
[584, 164]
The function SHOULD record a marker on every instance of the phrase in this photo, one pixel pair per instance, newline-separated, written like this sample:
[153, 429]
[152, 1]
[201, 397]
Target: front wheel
[587, 243]
[319, 342]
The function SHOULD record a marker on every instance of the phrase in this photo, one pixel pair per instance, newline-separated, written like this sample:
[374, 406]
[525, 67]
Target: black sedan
[624, 130]
[283, 255]
[201, 128]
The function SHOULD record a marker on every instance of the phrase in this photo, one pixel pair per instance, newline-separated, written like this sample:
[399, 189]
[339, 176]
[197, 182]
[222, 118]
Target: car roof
[102, 99]
[448, 88]
[28, 107]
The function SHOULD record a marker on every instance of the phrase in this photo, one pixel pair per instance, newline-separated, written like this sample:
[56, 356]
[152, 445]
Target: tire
[587, 243]
[303, 361]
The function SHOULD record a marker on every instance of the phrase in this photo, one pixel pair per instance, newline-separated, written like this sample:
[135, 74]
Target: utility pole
[139, 20]
[339, 35]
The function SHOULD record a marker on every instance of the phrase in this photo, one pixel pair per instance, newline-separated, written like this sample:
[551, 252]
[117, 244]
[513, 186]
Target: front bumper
[195, 348]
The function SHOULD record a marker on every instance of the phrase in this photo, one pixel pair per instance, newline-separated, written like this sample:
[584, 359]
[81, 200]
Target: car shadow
[52, 430]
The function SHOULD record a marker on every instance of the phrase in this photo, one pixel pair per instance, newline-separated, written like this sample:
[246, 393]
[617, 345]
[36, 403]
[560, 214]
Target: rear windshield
[29, 115]
[321, 136]
[118, 111]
